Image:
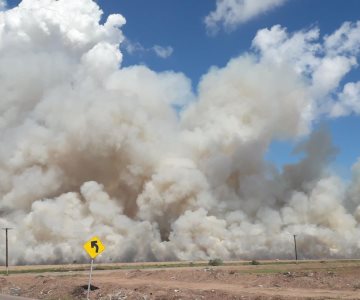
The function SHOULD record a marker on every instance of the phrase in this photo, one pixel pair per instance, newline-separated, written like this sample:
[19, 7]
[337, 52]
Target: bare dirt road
[269, 280]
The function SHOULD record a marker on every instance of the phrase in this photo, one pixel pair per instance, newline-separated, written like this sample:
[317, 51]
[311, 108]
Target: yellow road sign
[94, 247]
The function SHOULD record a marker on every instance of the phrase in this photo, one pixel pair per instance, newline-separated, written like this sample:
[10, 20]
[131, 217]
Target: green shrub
[215, 262]
[254, 263]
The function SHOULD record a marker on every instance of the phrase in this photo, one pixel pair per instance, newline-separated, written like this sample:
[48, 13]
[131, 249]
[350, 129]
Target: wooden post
[296, 255]
[6, 249]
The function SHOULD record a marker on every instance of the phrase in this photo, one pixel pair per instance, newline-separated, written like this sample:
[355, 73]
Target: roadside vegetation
[253, 266]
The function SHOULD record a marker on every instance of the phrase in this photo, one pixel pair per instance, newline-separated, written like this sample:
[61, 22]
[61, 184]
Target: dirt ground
[269, 280]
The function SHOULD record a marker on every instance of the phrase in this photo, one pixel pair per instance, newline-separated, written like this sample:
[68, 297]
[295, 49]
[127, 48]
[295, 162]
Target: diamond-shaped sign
[94, 247]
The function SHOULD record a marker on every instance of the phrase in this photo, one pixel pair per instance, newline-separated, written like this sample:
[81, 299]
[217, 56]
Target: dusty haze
[91, 148]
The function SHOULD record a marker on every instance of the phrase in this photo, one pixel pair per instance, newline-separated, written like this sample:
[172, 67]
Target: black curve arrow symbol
[95, 245]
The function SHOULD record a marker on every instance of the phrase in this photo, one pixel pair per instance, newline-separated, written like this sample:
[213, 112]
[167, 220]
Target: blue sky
[180, 25]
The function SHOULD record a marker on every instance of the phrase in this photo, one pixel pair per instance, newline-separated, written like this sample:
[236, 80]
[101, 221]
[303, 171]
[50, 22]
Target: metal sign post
[93, 247]
[88, 290]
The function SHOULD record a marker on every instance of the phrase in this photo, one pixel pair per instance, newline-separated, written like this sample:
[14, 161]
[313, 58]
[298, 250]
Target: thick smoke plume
[92, 148]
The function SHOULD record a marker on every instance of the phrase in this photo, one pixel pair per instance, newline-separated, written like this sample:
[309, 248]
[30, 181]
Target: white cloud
[300, 49]
[345, 40]
[327, 75]
[231, 13]
[348, 100]
[136, 48]
[132, 47]
[163, 52]
[321, 63]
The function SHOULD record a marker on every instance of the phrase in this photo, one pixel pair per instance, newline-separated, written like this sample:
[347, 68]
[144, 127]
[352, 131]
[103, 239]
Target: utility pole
[296, 255]
[7, 249]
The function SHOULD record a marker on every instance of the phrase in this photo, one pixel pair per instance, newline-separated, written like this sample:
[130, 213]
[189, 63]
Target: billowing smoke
[92, 148]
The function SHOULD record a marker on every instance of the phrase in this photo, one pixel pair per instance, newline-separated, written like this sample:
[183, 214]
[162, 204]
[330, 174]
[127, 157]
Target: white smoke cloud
[92, 148]
[163, 52]
[323, 65]
[231, 13]
[344, 40]
[133, 47]
[348, 101]
[136, 48]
